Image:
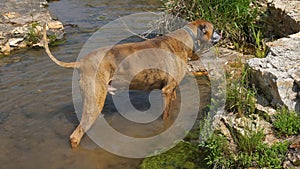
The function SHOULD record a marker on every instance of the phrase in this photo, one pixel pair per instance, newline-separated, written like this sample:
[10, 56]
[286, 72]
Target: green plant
[240, 96]
[249, 141]
[287, 123]
[54, 41]
[32, 35]
[217, 152]
[233, 17]
[260, 45]
[271, 156]
[252, 152]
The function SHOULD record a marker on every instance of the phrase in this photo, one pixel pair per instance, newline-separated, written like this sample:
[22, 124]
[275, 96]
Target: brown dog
[98, 68]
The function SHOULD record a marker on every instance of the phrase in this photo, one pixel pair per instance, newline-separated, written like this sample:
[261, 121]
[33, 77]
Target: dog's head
[206, 32]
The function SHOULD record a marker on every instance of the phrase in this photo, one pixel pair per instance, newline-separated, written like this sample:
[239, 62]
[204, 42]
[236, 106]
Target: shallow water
[36, 109]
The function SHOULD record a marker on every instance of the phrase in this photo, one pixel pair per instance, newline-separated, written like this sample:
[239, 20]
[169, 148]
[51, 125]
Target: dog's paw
[74, 142]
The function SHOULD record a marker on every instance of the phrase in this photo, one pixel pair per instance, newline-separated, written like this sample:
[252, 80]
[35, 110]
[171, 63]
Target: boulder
[277, 76]
[283, 17]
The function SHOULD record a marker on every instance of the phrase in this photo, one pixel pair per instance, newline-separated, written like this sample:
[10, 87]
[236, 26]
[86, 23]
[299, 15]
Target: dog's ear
[201, 31]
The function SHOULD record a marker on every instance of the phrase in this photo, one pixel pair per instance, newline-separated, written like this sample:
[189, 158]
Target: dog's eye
[203, 28]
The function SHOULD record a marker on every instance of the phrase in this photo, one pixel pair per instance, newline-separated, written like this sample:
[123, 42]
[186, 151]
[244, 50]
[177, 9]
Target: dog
[98, 68]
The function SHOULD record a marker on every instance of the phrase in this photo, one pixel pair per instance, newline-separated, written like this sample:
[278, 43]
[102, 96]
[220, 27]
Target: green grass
[248, 142]
[240, 95]
[235, 18]
[260, 45]
[252, 152]
[287, 123]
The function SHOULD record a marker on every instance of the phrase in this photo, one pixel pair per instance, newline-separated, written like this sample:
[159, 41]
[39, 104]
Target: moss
[184, 155]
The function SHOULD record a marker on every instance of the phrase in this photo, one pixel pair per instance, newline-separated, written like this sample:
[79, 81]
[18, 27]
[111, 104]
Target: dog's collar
[196, 45]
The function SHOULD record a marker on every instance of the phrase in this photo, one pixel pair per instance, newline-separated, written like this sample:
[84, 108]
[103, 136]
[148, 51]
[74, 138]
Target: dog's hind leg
[169, 94]
[94, 98]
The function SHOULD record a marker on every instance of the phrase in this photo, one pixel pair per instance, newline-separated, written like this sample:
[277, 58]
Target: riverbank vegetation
[238, 21]
[235, 19]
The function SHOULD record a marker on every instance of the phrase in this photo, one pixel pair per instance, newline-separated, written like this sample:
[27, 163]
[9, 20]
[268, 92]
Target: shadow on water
[37, 114]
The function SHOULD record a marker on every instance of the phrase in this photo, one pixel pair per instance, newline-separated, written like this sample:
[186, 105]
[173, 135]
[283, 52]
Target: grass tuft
[240, 95]
[33, 36]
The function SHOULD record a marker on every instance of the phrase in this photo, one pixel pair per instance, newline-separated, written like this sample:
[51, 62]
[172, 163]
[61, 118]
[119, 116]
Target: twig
[127, 28]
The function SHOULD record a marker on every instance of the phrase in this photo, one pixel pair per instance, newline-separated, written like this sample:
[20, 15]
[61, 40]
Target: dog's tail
[60, 63]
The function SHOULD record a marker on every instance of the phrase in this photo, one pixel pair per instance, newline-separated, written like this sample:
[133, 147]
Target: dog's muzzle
[215, 38]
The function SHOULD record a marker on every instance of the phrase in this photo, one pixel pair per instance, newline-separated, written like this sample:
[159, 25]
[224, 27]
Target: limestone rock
[277, 75]
[284, 17]
[266, 112]
[15, 41]
[19, 31]
[11, 15]
[5, 49]
[292, 159]
[55, 25]
[243, 125]
[17, 23]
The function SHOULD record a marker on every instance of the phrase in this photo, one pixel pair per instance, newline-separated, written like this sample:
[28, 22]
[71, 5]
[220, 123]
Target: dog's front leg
[169, 94]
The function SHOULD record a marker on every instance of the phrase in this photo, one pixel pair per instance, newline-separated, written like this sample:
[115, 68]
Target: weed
[260, 45]
[252, 152]
[287, 123]
[249, 141]
[271, 156]
[33, 36]
[217, 152]
[240, 96]
[54, 41]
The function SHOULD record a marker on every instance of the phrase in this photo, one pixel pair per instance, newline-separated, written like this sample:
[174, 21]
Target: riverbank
[21, 24]
[260, 124]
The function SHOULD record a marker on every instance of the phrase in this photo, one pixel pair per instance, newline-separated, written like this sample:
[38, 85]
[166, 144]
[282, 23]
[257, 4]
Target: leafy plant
[271, 156]
[217, 152]
[287, 123]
